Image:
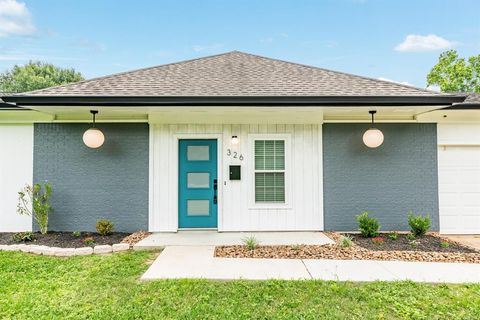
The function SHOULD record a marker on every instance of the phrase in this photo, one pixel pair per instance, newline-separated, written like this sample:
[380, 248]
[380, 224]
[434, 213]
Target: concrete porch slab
[214, 238]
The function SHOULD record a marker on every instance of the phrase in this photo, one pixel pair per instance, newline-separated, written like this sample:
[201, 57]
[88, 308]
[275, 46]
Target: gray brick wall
[89, 184]
[399, 176]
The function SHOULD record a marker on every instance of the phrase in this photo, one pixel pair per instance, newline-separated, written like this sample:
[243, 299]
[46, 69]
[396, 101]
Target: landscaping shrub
[250, 242]
[23, 236]
[378, 241]
[368, 226]
[76, 233]
[419, 224]
[89, 241]
[410, 237]
[444, 244]
[104, 227]
[346, 241]
[37, 199]
[393, 236]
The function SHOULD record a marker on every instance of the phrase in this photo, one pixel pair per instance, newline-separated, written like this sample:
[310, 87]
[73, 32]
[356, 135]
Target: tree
[454, 74]
[36, 75]
[35, 201]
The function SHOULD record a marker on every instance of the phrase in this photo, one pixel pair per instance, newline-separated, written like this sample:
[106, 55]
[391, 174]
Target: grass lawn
[107, 287]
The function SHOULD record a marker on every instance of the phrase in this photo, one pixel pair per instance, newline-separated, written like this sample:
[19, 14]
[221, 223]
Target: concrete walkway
[214, 238]
[198, 262]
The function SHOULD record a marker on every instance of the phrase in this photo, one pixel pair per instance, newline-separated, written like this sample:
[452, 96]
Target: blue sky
[396, 40]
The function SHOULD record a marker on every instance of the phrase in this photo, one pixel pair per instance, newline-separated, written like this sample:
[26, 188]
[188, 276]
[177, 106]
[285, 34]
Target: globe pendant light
[373, 137]
[93, 137]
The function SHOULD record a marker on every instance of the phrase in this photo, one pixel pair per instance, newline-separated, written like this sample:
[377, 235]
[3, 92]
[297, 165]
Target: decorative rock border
[65, 252]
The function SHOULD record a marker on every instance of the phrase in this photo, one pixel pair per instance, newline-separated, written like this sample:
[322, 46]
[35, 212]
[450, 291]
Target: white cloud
[15, 19]
[431, 42]
[399, 82]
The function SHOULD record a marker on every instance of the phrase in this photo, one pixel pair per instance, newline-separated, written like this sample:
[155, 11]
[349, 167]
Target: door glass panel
[198, 153]
[198, 180]
[198, 207]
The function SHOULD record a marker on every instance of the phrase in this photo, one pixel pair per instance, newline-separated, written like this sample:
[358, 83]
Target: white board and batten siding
[459, 178]
[237, 210]
[16, 170]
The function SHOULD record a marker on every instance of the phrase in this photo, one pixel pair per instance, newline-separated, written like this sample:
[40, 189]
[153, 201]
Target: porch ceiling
[239, 115]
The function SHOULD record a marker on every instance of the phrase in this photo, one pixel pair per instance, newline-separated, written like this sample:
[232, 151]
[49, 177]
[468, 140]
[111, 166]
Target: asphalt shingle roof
[232, 74]
[473, 98]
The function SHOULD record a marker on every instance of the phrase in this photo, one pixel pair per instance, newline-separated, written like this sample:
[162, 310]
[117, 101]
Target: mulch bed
[426, 248]
[66, 239]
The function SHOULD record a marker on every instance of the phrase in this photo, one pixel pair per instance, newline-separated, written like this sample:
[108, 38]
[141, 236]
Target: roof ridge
[130, 71]
[340, 72]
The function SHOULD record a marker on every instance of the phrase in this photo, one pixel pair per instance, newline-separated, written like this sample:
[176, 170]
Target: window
[270, 171]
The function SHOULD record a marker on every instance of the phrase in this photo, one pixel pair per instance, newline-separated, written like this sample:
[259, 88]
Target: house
[239, 142]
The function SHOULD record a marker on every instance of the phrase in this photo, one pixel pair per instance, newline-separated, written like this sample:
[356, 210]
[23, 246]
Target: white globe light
[93, 138]
[235, 140]
[373, 138]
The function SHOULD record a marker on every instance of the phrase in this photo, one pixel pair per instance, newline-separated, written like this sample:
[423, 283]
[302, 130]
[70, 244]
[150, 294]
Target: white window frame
[251, 171]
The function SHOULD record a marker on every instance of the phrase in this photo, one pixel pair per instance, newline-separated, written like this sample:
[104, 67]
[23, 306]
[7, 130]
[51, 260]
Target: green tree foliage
[36, 75]
[455, 74]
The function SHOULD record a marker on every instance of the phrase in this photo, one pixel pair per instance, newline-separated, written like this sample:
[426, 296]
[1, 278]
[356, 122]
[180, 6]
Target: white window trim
[251, 171]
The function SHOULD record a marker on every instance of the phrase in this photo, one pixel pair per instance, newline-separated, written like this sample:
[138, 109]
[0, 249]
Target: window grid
[270, 171]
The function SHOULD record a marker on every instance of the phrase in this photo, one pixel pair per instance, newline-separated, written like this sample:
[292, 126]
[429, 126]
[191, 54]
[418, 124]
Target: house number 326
[234, 155]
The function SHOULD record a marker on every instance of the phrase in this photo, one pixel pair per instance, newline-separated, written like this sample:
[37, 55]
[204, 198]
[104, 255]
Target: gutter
[446, 100]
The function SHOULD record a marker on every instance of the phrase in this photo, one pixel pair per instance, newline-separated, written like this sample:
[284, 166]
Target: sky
[391, 40]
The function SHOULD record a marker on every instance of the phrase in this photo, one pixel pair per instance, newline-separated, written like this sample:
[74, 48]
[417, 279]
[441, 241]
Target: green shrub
[76, 234]
[444, 244]
[23, 236]
[250, 242]
[419, 224]
[104, 227]
[410, 237]
[34, 201]
[89, 241]
[368, 226]
[393, 236]
[346, 241]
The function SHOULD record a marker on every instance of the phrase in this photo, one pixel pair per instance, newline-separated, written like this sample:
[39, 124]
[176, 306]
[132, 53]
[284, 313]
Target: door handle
[215, 187]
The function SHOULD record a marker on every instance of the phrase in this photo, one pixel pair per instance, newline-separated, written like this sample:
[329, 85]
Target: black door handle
[215, 187]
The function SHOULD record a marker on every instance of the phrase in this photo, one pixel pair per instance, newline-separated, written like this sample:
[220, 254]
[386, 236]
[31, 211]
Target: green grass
[108, 287]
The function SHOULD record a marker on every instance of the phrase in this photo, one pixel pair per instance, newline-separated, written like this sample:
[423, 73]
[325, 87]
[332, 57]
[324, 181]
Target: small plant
[444, 244]
[296, 247]
[393, 236]
[368, 226]
[23, 236]
[104, 227]
[89, 241]
[410, 237]
[76, 233]
[35, 201]
[413, 243]
[378, 241]
[346, 241]
[419, 224]
[250, 242]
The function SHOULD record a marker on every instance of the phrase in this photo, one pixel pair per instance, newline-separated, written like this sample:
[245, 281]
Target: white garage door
[16, 169]
[459, 189]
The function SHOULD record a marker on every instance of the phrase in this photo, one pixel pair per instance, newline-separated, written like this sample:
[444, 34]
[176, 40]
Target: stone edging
[65, 252]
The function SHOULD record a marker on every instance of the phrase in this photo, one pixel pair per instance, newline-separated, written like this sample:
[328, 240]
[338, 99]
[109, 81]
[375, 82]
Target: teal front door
[198, 185]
